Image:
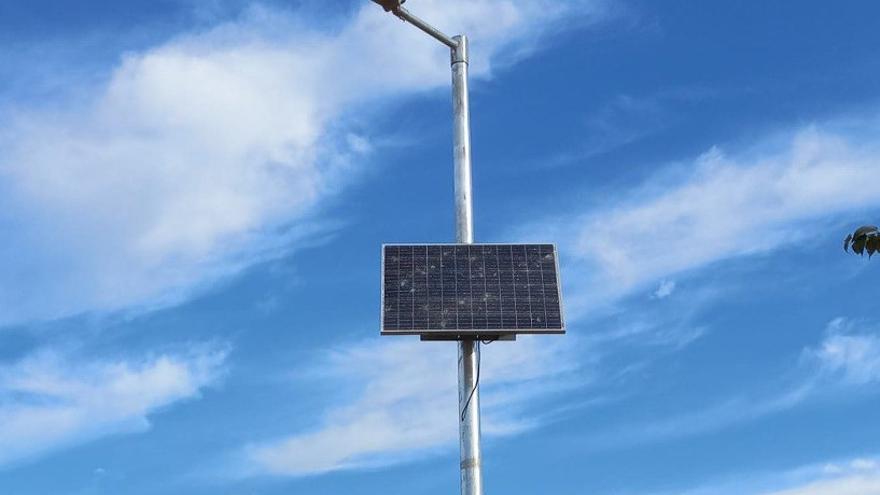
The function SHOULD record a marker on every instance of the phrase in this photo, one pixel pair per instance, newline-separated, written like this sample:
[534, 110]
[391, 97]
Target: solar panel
[470, 289]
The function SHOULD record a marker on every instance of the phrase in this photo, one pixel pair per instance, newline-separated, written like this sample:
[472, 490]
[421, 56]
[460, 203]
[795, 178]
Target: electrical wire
[477, 381]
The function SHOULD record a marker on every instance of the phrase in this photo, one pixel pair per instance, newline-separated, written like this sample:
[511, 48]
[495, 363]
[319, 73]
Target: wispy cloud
[855, 484]
[400, 396]
[856, 476]
[214, 150]
[626, 119]
[49, 400]
[732, 411]
[666, 288]
[719, 206]
[849, 353]
[846, 358]
[405, 406]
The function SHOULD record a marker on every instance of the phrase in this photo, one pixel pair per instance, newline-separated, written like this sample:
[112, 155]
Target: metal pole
[461, 137]
[469, 349]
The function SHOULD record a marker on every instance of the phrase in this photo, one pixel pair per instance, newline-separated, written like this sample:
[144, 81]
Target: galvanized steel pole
[461, 143]
[468, 349]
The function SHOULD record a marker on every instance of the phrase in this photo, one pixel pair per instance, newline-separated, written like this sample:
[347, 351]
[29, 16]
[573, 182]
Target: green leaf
[858, 244]
[873, 245]
[866, 230]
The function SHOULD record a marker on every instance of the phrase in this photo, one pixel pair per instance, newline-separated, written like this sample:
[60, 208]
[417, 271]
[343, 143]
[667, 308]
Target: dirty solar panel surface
[470, 289]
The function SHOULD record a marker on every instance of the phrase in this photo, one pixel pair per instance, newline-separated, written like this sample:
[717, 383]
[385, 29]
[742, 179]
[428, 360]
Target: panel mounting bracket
[508, 337]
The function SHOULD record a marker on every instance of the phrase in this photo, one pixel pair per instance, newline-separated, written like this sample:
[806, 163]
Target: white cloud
[856, 476]
[711, 418]
[847, 355]
[48, 401]
[715, 208]
[407, 403]
[857, 484]
[202, 155]
[666, 288]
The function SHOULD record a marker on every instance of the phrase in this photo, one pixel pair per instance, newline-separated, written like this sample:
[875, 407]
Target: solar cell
[470, 289]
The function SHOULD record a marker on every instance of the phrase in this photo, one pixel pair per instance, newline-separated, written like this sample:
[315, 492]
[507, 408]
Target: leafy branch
[864, 239]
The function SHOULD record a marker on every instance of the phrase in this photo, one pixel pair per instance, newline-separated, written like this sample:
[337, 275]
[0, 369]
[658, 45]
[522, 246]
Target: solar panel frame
[458, 333]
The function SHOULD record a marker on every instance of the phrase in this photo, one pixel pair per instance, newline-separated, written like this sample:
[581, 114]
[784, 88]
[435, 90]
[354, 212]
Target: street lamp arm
[395, 7]
[424, 26]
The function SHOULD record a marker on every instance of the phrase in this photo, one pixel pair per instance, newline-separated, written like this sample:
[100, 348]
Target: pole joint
[460, 50]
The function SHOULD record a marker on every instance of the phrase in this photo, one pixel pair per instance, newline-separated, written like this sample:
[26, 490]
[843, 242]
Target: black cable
[476, 384]
[477, 381]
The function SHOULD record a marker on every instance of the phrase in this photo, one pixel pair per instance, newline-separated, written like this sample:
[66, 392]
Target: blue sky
[193, 196]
